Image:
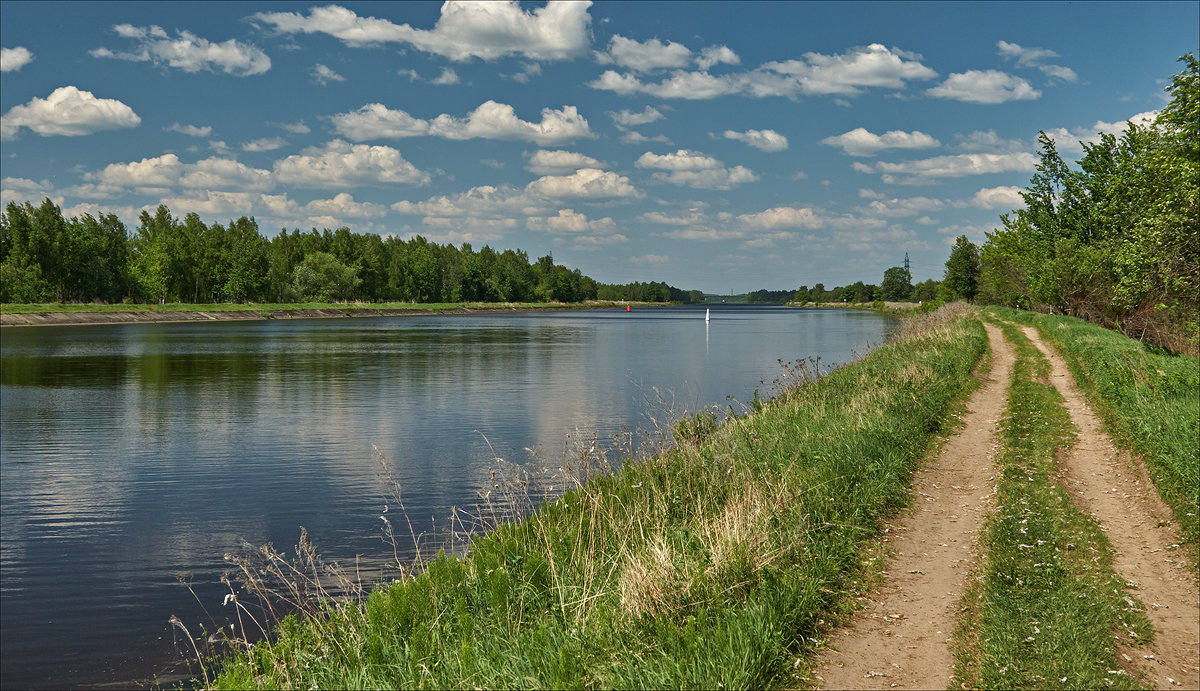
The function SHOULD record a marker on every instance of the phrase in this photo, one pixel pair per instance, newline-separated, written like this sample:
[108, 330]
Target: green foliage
[962, 269]
[897, 285]
[1117, 241]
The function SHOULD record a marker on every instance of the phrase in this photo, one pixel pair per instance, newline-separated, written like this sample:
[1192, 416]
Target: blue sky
[716, 146]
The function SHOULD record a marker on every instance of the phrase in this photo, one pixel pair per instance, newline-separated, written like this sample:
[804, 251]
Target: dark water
[133, 454]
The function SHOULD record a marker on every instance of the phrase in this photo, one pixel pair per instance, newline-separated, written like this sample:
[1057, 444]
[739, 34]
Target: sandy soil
[1115, 489]
[899, 639]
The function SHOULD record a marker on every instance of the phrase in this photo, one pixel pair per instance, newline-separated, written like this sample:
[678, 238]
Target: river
[134, 456]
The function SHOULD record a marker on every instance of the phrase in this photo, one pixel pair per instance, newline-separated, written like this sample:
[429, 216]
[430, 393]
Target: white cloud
[961, 165]
[764, 140]
[586, 183]
[69, 112]
[296, 127]
[479, 202]
[646, 56]
[987, 142]
[486, 30]
[446, 78]
[715, 55]
[13, 59]
[650, 259]
[188, 52]
[984, 87]
[264, 144]
[323, 75]
[847, 74]
[694, 169]
[691, 218]
[22, 190]
[189, 130]
[898, 208]
[224, 173]
[861, 142]
[1035, 57]
[587, 243]
[559, 162]
[632, 137]
[160, 171]
[339, 164]
[342, 205]
[626, 118]
[1072, 141]
[491, 120]
[570, 221]
[1003, 197]
[783, 217]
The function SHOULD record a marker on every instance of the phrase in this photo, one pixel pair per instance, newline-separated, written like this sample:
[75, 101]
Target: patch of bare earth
[899, 639]
[1114, 487]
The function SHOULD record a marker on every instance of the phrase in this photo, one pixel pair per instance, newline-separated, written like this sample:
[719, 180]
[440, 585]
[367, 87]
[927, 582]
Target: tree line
[1115, 240]
[45, 257]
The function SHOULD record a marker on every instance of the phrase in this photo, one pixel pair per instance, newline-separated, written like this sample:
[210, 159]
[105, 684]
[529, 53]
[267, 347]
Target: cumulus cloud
[342, 205]
[764, 140]
[626, 118]
[987, 142]
[861, 142]
[985, 87]
[491, 120]
[898, 208]
[465, 30]
[650, 259]
[69, 112]
[187, 52]
[645, 56]
[13, 59]
[715, 55]
[586, 183]
[846, 74]
[485, 201]
[446, 78]
[559, 162]
[1072, 141]
[167, 171]
[295, 127]
[340, 164]
[694, 169]
[189, 130]
[571, 221]
[21, 190]
[1003, 197]
[323, 75]
[632, 137]
[961, 165]
[784, 217]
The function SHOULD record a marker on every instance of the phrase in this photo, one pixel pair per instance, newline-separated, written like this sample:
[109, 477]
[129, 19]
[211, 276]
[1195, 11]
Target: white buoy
[706, 314]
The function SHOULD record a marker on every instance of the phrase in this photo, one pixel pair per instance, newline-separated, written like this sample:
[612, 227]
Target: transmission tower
[906, 261]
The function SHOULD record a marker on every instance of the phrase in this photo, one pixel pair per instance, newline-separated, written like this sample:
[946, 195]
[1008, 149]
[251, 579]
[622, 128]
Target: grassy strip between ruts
[715, 565]
[1148, 398]
[1044, 612]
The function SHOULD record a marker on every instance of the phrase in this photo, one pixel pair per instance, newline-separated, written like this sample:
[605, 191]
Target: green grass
[1149, 400]
[715, 565]
[255, 307]
[1045, 612]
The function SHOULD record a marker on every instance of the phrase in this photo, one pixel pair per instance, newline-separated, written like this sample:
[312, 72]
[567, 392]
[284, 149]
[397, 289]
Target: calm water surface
[133, 454]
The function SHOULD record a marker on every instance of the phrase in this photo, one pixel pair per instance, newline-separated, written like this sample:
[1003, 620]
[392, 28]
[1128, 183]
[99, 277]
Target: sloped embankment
[717, 564]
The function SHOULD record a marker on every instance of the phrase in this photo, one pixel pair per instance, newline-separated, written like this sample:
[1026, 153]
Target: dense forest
[45, 257]
[1115, 241]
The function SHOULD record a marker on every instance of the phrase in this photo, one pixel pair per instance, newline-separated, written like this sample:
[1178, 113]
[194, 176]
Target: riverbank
[717, 564]
[82, 314]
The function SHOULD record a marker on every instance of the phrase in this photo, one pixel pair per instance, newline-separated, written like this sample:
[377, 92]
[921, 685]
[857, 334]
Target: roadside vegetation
[355, 307]
[1047, 603]
[717, 564]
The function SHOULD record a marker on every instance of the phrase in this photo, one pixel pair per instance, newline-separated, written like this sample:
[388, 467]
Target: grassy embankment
[1043, 612]
[1148, 398]
[715, 565]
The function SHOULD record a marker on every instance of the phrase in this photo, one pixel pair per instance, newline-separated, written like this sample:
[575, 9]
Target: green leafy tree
[322, 278]
[962, 269]
[897, 284]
